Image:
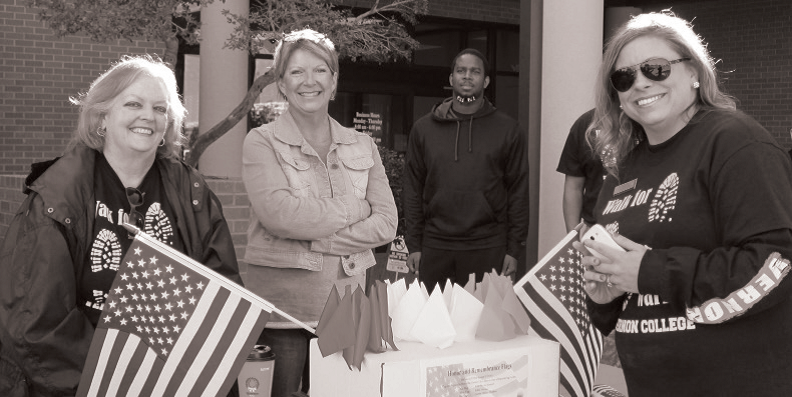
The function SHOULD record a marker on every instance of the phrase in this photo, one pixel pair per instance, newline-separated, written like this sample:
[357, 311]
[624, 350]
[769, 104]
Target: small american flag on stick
[553, 294]
[171, 327]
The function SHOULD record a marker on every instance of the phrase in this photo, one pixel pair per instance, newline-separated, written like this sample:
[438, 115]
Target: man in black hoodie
[465, 183]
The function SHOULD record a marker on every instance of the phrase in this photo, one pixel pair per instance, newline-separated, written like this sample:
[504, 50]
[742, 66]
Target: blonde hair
[95, 103]
[618, 133]
[308, 40]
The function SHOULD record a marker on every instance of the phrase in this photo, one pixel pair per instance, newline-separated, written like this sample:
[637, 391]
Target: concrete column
[224, 82]
[564, 65]
[530, 111]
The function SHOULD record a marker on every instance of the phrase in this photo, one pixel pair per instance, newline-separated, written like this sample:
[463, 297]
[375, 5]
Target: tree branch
[396, 5]
[204, 140]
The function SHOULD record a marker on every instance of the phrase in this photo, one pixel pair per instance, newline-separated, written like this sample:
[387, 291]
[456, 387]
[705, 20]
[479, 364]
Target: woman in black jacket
[62, 250]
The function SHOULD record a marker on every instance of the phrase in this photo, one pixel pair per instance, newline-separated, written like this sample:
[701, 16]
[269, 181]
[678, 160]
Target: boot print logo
[158, 224]
[664, 199]
[98, 301]
[105, 252]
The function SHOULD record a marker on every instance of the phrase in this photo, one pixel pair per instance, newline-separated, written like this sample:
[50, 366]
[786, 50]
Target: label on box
[496, 374]
[397, 256]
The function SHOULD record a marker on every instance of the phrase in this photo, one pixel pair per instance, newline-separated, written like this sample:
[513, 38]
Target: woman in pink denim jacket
[320, 200]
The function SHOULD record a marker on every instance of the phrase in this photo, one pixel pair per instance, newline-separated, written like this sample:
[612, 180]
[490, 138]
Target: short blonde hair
[95, 103]
[308, 40]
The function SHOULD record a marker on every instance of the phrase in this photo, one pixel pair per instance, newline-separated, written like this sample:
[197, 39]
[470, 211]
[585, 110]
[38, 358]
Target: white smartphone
[599, 234]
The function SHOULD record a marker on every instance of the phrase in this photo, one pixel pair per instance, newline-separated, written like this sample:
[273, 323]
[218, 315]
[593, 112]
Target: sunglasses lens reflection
[623, 79]
[658, 70]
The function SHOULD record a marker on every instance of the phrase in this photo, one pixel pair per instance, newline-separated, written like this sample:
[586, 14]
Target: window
[396, 95]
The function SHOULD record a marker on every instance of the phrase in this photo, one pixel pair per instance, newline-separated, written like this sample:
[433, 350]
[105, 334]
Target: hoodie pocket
[358, 170]
[297, 173]
[459, 213]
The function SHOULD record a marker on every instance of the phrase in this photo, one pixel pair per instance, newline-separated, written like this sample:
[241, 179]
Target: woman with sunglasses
[61, 252]
[698, 194]
[320, 198]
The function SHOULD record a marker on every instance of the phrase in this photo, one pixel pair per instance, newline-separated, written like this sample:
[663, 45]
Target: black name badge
[625, 187]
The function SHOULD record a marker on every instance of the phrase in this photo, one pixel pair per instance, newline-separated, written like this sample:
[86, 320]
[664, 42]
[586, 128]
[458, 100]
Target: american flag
[553, 294]
[437, 381]
[170, 327]
[605, 391]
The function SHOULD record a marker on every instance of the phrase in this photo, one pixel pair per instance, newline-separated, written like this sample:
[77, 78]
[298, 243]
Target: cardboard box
[523, 366]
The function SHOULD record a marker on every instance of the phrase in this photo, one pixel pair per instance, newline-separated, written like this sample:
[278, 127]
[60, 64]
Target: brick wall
[38, 73]
[503, 11]
[10, 198]
[236, 208]
[754, 41]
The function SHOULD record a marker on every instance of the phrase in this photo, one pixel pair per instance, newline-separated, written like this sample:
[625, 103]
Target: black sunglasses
[656, 69]
[135, 198]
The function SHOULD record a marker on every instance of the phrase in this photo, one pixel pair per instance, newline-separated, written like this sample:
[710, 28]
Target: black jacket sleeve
[750, 192]
[44, 334]
[605, 316]
[517, 185]
[412, 194]
[207, 238]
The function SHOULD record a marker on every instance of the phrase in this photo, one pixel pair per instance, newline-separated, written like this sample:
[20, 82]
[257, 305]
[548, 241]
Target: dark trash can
[255, 379]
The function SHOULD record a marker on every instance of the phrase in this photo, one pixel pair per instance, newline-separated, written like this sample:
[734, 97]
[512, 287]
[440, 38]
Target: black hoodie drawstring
[470, 139]
[456, 144]
[470, 135]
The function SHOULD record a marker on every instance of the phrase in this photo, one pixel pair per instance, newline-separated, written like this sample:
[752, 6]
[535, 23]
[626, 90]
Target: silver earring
[101, 131]
[621, 107]
[696, 84]
[162, 143]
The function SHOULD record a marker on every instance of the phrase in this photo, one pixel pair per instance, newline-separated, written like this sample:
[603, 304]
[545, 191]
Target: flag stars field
[161, 287]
